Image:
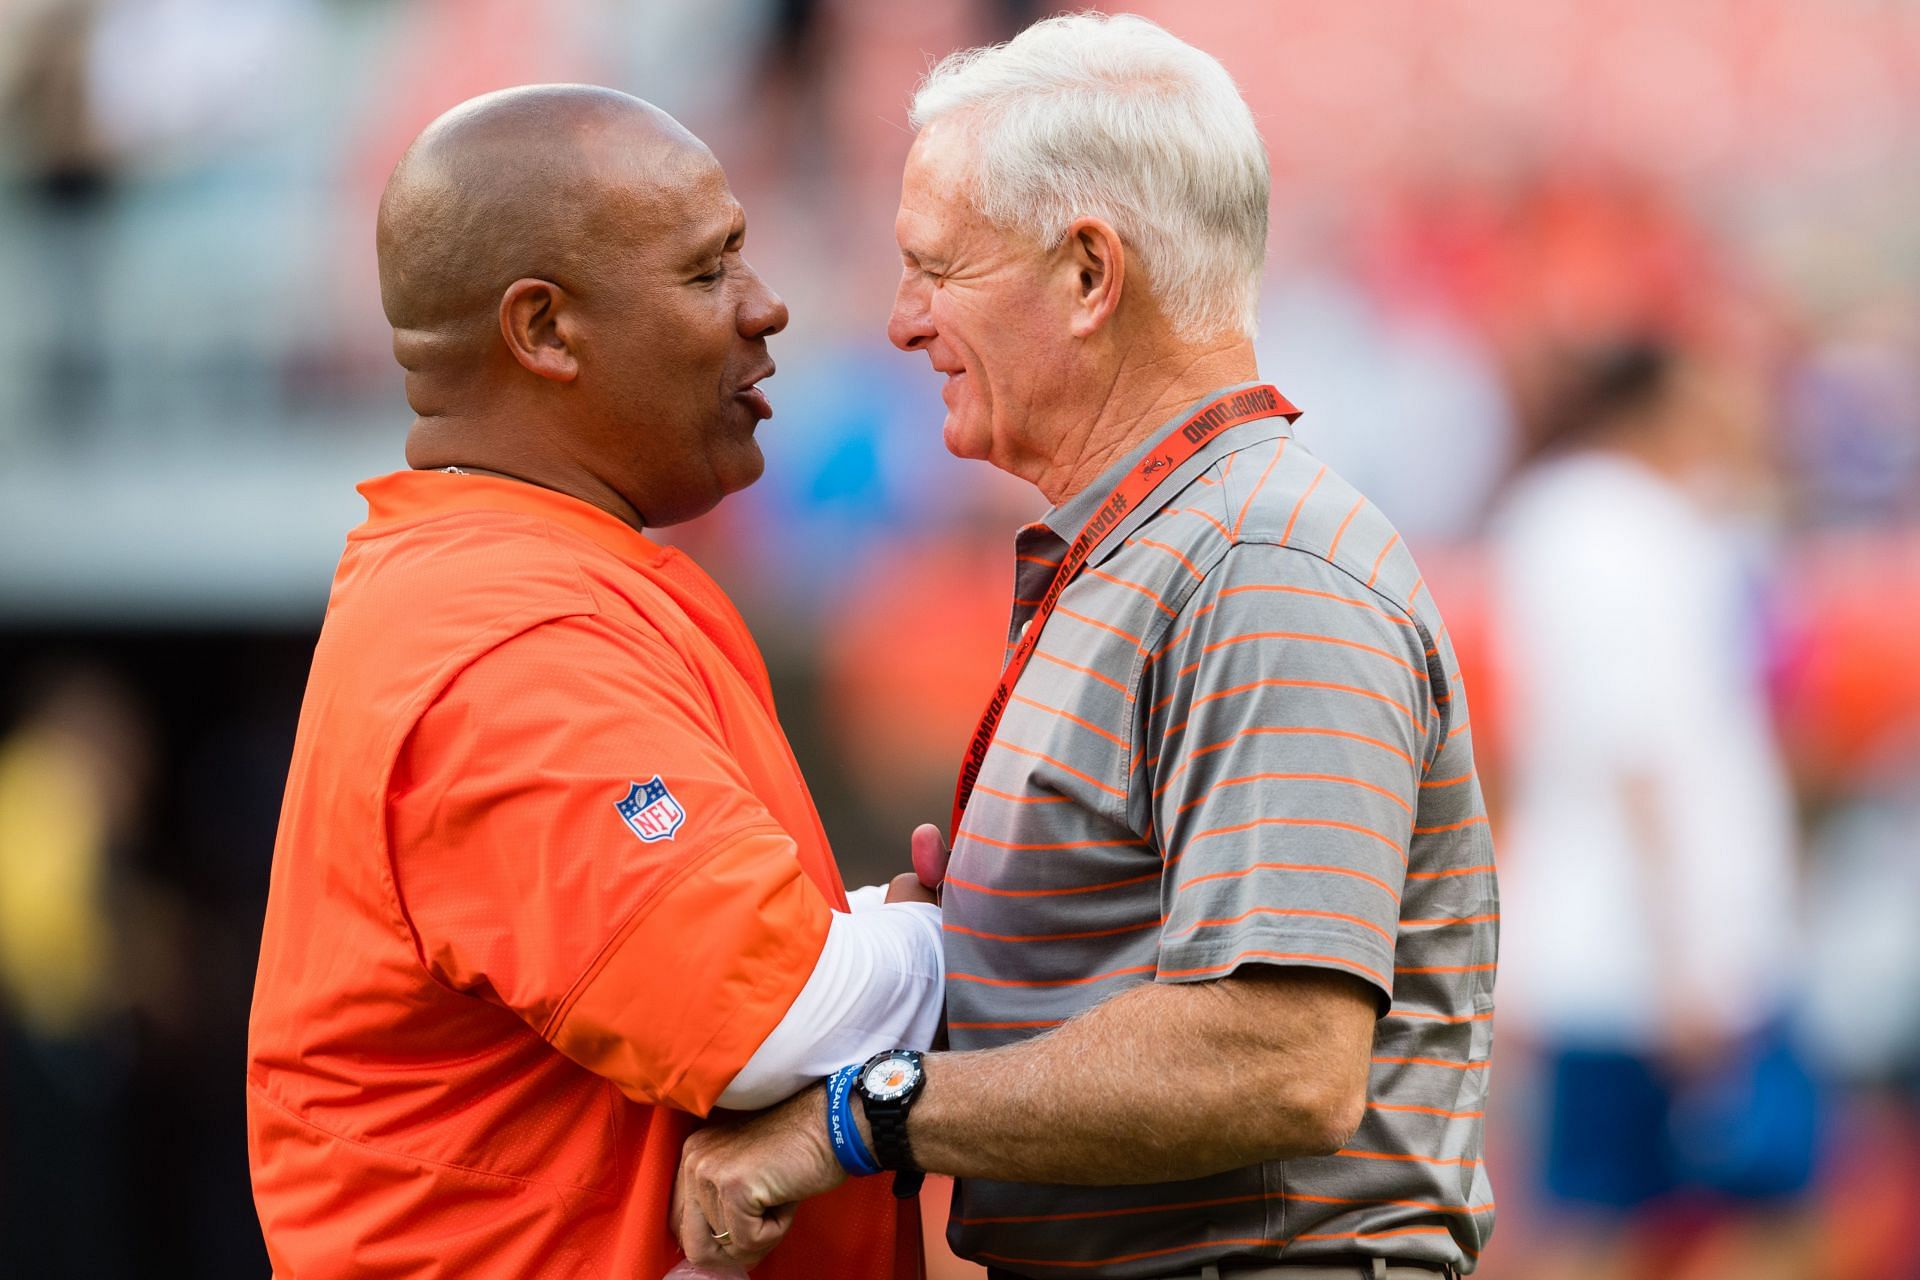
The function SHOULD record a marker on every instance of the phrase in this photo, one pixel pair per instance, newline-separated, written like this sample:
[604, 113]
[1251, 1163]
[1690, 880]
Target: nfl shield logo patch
[650, 810]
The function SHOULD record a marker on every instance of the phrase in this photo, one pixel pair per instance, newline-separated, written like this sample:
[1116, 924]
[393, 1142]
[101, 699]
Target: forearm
[1165, 1082]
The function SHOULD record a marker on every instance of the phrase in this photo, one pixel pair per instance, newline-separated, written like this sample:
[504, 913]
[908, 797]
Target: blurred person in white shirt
[1649, 934]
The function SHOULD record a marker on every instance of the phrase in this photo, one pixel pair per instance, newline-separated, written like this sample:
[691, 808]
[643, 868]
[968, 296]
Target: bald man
[548, 886]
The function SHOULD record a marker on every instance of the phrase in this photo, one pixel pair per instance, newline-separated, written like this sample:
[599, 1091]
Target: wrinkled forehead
[937, 185]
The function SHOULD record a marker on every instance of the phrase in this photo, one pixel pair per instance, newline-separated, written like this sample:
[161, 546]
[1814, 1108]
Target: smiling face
[989, 308]
[679, 330]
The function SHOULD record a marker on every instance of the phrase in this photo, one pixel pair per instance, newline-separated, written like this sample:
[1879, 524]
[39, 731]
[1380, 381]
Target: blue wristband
[849, 1148]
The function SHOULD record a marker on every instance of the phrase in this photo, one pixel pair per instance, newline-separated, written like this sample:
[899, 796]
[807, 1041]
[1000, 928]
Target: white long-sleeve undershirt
[879, 984]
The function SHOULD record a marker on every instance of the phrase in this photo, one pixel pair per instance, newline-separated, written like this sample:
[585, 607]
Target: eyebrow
[718, 243]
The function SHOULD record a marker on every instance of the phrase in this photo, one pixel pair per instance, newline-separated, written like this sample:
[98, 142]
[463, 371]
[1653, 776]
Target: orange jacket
[546, 875]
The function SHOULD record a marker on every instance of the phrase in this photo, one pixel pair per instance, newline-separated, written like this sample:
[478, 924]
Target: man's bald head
[543, 181]
[563, 269]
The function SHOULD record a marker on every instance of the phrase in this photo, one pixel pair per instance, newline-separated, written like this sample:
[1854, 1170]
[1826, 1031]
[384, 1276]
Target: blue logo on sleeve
[650, 810]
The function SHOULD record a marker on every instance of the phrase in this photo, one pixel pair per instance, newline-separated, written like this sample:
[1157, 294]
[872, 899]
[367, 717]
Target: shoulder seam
[1437, 681]
[1268, 541]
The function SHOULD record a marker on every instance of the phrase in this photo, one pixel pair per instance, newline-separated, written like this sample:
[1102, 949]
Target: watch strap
[887, 1122]
[848, 1147]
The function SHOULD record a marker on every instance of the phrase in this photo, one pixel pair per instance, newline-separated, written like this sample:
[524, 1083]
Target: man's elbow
[1320, 1118]
[1337, 1116]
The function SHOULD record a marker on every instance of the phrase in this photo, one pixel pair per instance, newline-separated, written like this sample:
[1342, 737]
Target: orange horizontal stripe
[1451, 826]
[1053, 937]
[1296, 777]
[1276, 682]
[1282, 731]
[1449, 782]
[1429, 1062]
[1467, 1210]
[1014, 799]
[1445, 968]
[1180, 1207]
[965, 834]
[1306, 637]
[983, 980]
[1095, 622]
[1107, 680]
[1331, 824]
[1061, 765]
[1051, 564]
[1064, 714]
[1161, 652]
[1459, 729]
[1310, 868]
[1104, 576]
[1323, 595]
[1175, 552]
[1050, 893]
[1374, 1235]
[1308, 912]
[1441, 921]
[1427, 1111]
[1342, 961]
[1458, 1162]
[1188, 1206]
[1411, 595]
[1006, 1026]
[1442, 875]
[1437, 1017]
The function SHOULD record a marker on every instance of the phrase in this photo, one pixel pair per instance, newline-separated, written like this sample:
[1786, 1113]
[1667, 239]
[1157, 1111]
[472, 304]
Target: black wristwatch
[888, 1085]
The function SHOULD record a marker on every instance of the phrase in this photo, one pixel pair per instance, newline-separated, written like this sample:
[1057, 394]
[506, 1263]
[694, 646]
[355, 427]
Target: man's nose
[762, 313]
[910, 327]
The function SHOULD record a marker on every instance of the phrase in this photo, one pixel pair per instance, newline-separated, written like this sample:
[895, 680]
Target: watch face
[889, 1078]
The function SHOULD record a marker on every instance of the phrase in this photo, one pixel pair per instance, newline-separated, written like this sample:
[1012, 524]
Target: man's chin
[963, 442]
[746, 468]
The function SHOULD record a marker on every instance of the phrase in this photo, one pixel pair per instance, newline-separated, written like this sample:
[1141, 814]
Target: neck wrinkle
[1137, 403]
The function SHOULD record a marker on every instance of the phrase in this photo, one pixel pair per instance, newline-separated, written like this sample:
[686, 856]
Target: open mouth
[755, 399]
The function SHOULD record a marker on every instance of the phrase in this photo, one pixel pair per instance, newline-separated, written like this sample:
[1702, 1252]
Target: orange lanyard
[1180, 444]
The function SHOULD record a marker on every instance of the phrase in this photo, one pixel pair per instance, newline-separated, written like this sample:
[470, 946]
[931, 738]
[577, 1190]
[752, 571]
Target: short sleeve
[1289, 720]
[572, 840]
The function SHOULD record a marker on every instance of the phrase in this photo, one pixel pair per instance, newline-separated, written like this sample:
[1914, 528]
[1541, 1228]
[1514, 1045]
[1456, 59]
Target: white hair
[1086, 115]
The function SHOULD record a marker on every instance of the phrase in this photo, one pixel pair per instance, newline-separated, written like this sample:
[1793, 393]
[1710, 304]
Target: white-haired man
[1220, 918]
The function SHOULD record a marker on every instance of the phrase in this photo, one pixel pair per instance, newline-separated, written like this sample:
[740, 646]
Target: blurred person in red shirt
[1650, 935]
[548, 886]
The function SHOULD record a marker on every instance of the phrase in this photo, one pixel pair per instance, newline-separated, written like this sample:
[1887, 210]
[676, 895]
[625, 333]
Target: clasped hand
[740, 1182]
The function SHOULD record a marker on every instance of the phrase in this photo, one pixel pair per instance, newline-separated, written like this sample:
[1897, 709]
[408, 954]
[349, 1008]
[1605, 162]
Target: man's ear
[539, 323]
[1098, 262]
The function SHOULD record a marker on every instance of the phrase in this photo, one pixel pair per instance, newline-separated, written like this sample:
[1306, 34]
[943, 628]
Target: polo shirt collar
[412, 497]
[1070, 517]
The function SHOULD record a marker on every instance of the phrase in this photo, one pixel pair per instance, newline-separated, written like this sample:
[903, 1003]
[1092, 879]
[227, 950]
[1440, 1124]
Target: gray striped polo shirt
[1242, 740]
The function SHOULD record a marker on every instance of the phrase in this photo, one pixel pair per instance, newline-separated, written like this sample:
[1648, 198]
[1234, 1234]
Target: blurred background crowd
[1612, 305]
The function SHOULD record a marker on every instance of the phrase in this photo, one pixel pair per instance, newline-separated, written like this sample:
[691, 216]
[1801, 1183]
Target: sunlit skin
[1057, 360]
